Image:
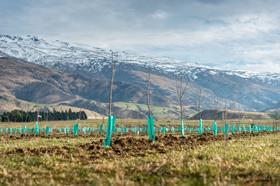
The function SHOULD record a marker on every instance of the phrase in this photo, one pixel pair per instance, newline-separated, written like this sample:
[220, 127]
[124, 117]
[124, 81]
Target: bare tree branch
[149, 93]
[181, 89]
[199, 101]
[111, 84]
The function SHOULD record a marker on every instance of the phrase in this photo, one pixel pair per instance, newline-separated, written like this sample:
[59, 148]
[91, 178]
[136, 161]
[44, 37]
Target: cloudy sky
[232, 34]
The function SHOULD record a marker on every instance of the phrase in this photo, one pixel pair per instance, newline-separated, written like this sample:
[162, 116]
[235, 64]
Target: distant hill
[274, 111]
[28, 86]
[220, 114]
[275, 107]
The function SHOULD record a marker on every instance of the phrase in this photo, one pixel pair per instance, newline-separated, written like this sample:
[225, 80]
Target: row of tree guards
[150, 130]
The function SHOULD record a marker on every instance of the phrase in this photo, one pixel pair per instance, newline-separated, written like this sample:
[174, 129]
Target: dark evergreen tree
[22, 116]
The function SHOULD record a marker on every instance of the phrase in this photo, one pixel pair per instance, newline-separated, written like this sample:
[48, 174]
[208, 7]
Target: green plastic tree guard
[214, 129]
[151, 128]
[84, 129]
[232, 129]
[238, 129]
[182, 128]
[48, 130]
[164, 131]
[250, 129]
[121, 130]
[200, 129]
[100, 128]
[173, 130]
[226, 130]
[10, 131]
[37, 129]
[111, 124]
[255, 128]
[244, 128]
[75, 129]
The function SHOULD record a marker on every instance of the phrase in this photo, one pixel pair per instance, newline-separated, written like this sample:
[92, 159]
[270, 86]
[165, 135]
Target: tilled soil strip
[127, 146]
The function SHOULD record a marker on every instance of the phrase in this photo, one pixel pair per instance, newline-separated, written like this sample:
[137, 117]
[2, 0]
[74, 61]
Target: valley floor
[194, 160]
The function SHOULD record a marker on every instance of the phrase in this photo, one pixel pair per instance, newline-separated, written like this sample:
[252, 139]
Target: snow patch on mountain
[56, 53]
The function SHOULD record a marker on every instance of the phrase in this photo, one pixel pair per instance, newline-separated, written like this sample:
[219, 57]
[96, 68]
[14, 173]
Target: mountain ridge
[249, 91]
[43, 49]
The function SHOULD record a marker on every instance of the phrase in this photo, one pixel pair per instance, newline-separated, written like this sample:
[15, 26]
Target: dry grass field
[244, 159]
[194, 160]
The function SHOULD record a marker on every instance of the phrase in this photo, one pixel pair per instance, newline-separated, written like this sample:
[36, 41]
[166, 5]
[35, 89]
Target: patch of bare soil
[132, 146]
[126, 146]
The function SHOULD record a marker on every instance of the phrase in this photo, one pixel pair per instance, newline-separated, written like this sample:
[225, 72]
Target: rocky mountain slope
[23, 84]
[88, 69]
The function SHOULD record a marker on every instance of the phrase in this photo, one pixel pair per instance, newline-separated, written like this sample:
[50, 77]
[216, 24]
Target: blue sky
[232, 34]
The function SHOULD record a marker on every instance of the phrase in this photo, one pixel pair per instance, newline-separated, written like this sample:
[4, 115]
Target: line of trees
[22, 116]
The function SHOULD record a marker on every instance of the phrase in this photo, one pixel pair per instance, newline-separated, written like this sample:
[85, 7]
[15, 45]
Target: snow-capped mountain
[249, 90]
[59, 53]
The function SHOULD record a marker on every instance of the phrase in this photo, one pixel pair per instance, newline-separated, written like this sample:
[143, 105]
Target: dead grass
[240, 161]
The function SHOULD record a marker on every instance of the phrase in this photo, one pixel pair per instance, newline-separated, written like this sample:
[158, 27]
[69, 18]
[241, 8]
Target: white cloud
[205, 31]
[240, 29]
[159, 15]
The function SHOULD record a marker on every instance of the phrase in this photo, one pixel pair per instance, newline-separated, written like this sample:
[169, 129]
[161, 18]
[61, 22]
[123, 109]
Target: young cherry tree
[149, 93]
[150, 119]
[111, 118]
[198, 104]
[181, 88]
[113, 64]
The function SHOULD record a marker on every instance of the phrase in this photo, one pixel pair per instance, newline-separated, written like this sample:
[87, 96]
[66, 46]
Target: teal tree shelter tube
[239, 129]
[182, 128]
[75, 130]
[100, 128]
[226, 130]
[200, 129]
[232, 129]
[109, 132]
[37, 129]
[151, 128]
[214, 128]
[48, 130]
